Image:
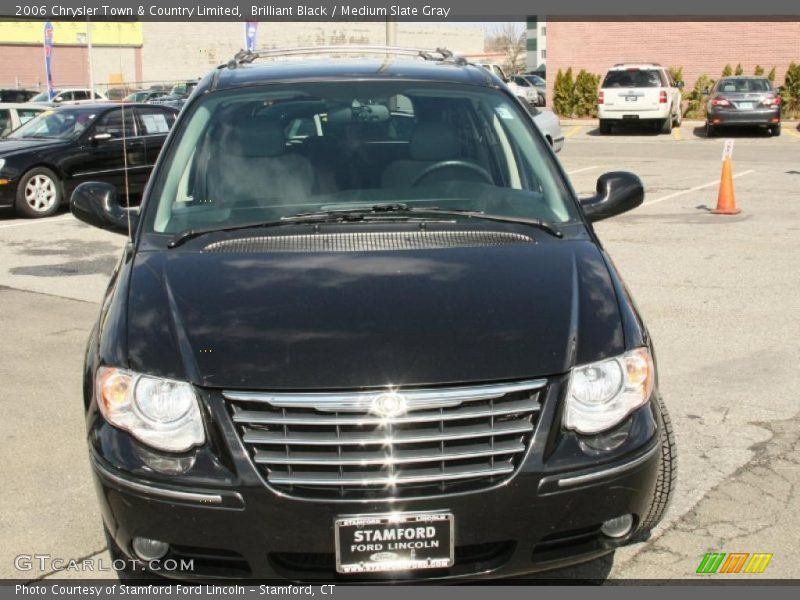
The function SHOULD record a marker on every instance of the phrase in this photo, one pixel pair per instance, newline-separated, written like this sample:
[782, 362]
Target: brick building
[699, 47]
[166, 51]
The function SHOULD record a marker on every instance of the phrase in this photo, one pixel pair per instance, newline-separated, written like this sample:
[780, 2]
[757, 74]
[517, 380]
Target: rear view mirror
[679, 85]
[96, 203]
[706, 91]
[617, 192]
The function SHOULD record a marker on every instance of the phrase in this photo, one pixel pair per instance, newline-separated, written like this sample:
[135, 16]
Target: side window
[5, 122]
[112, 122]
[64, 97]
[154, 121]
[26, 114]
[80, 95]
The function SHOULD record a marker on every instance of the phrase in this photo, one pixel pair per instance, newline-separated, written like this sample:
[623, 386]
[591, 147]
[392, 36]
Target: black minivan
[363, 329]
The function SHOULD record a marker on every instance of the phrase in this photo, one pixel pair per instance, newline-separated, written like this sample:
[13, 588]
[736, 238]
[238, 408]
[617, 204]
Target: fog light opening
[617, 527]
[147, 549]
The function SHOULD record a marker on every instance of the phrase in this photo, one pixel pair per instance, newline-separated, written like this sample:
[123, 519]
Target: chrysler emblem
[388, 405]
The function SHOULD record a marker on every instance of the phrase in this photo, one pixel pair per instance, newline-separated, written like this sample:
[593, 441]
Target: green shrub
[564, 94]
[739, 70]
[696, 105]
[759, 70]
[771, 75]
[585, 94]
[727, 71]
[790, 95]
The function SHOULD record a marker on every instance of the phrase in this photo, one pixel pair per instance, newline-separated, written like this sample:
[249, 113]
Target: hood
[13, 146]
[346, 320]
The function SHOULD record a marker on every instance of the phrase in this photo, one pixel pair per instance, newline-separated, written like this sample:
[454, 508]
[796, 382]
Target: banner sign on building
[250, 30]
[48, 58]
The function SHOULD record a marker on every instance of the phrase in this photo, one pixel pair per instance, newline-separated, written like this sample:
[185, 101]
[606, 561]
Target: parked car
[550, 126]
[393, 344]
[13, 115]
[538, 83]
[178, 95]
[16, 95]
[523, 91]
[46, 158]
[145, 95]
[639, 93]
[743, 101]
[69, 96]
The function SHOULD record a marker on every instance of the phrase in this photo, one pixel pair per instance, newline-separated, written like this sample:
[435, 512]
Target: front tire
[666, 478]
[39, 193]
[775, 130]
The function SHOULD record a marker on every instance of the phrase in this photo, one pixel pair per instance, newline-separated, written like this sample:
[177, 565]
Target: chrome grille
[340, 446]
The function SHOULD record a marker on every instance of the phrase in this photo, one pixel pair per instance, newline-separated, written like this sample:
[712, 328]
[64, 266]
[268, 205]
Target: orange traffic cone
[726, 200]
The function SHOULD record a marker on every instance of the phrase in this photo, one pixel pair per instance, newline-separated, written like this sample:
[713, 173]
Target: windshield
[743, 85]
[249, 156]
[42, 97]
[536, 80]
[633, 78]
[60, 124]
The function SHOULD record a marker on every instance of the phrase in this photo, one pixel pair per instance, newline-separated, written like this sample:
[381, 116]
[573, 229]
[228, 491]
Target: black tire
[666, 125]
[605, 127]
[775, 130]
[711, 131]
[666, 478]
[39, 193]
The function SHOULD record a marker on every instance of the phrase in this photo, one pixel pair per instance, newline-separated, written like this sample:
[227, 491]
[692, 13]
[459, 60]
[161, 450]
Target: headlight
[162, 413]
[602, 394]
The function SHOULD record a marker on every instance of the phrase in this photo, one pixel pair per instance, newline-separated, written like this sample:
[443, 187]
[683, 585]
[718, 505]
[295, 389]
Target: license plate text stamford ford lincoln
[363, 329]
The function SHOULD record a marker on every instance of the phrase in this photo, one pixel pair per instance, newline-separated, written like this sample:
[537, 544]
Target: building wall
[537, 43]
[180, 51]
[698, 47]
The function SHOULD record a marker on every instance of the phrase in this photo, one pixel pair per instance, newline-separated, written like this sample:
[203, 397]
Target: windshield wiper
[359, 214]
[400, 208]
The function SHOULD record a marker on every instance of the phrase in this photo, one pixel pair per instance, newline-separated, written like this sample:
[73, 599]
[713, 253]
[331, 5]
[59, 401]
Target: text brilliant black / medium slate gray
[363, 313]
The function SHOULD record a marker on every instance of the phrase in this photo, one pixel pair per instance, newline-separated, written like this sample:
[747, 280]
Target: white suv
[639, 92]
[526, 93]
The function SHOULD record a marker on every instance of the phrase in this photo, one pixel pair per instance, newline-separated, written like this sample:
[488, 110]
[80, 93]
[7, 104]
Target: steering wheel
[457, 164]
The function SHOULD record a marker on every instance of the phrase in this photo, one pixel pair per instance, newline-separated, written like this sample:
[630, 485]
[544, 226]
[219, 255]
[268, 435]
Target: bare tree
[510, 39]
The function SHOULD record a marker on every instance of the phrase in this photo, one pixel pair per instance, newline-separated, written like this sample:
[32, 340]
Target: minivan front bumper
[223, 517]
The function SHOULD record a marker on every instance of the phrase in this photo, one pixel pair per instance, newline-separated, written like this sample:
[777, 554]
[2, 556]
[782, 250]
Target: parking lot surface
[720, 294]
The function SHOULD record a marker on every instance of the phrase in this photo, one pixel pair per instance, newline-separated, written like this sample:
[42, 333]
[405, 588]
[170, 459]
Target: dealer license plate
[745, 105]
[395, 542]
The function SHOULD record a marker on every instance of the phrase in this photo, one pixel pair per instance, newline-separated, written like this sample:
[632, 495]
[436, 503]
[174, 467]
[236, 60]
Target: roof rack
[439, 54]
[638, 62]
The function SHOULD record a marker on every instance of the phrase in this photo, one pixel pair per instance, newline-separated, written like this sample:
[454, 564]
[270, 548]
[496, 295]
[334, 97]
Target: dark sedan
[45, 159]
[743, 101]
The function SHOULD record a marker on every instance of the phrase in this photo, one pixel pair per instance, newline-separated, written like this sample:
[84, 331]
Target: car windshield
[61, 124]
[536, 80]
[743, 85]
[256, 155]
[633, 78]
[42, 97]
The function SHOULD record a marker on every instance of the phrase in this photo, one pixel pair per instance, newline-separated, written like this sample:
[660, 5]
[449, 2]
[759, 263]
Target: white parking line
[581, 170]
[694, 189]
[38, 221]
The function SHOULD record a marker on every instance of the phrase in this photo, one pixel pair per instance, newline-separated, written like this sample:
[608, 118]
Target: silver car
[550, 126]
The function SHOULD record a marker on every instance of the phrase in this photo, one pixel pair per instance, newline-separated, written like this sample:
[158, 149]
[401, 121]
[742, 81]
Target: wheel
[678, 117]
[711, 131]
[666, 125]
[665, 480]
[775, 130]
[39, 193]
[605, 126]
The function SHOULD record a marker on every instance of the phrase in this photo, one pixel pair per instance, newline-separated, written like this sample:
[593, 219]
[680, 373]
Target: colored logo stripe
[711, 562]
[735, 562]
[757, 563]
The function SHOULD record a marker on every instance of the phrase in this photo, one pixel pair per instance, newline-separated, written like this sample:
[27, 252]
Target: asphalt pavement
[720, 294]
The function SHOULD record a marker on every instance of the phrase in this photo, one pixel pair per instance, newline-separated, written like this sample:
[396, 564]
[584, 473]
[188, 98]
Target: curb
[696, 122]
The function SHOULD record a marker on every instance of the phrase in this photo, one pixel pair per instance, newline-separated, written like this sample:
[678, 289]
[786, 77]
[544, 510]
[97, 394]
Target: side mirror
[617, 192]
[101, 137]
[58, 99]
[706, 91]
[96, 203]
[679, 85]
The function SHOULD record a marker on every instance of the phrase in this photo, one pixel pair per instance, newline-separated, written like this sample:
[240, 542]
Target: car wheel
[711, 131]
[666, 126]
[666, 478]
[39, 193]
[605, 127]
[678, 118]
[775, 130]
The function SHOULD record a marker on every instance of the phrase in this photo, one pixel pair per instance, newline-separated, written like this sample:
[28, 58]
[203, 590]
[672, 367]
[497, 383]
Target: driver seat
[431, 143]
